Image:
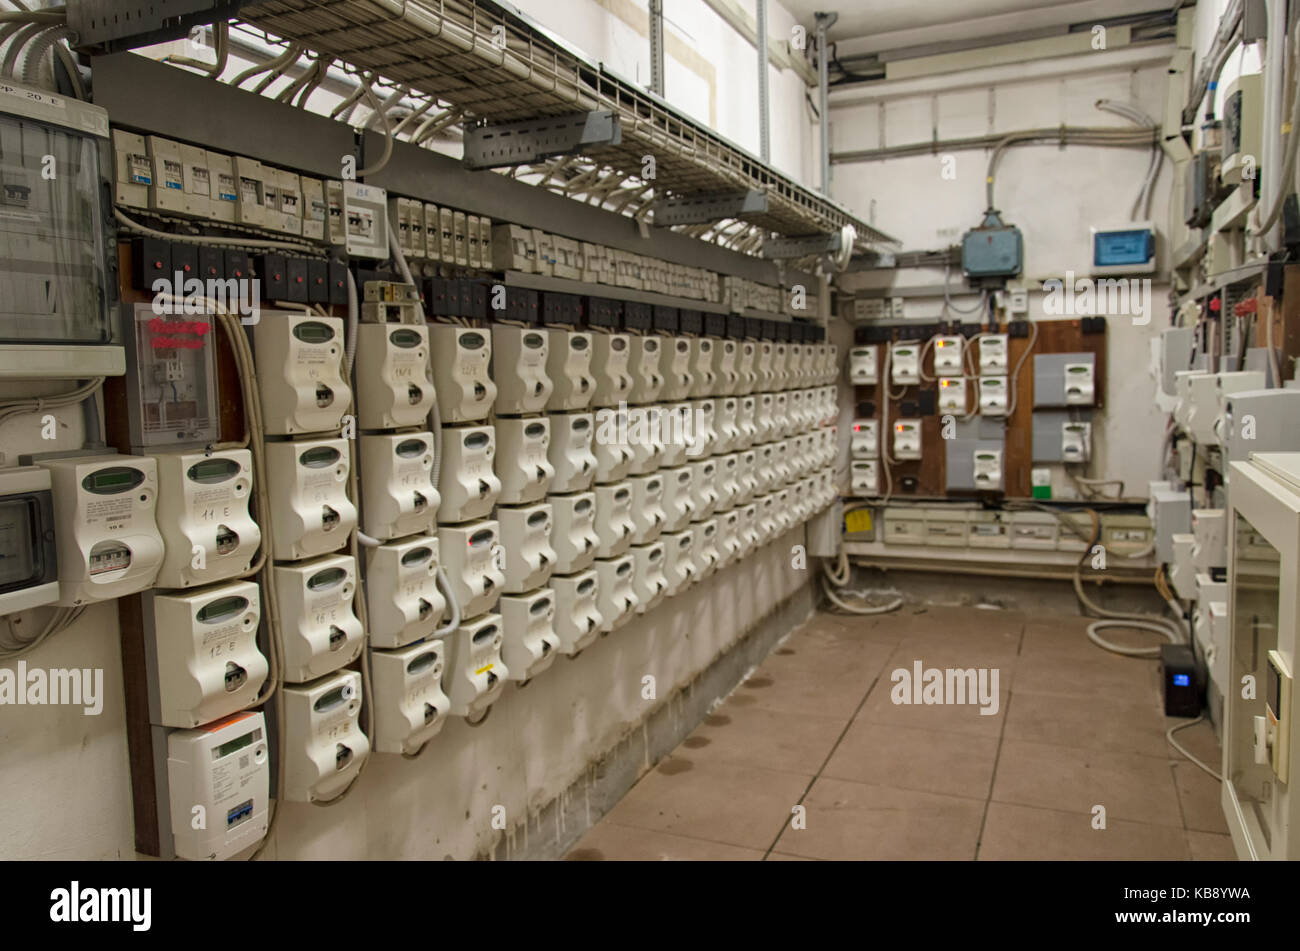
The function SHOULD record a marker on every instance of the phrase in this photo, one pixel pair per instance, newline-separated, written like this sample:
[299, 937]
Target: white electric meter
[704, 489]
[948, 355]
[220, 772]
[461, 356]
[864, 478]
[676, 433]
[526, 542]
[410, 707]
[729, 538]
[643, 364]
[1076, 441]
[724, 425]
[573, 533]
[476, 673]
[323, 746]
[649, 583]
[319, 633]
[104, 525]
[205, 646]
[746, 427]
[988, 469]
[904, 363]
[993, 354]
[1079, 387]
[907, 439]
[522, 461]
[864, 442]
[570, 452]
[528, 644]
[728, 481]
[679, 561]
[471, 558]
[703, 437]
[467, 485]
[993, 395]
[614, 524]
[519, 369]
[610, 354]
[704, 378]
[616, 598]
[397, 496]
[952, 395]
[394, 383]
[645, 438]
[568, 364]
[300, 372]
[613, 454]
[307, 481]
[577, 617]
[208, 534]
[679, 497]
[706, 549]
[747, 368]
[403, 603]
[726, 359]
[647, 507]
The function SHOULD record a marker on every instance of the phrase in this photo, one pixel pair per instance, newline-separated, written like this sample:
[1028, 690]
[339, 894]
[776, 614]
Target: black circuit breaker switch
[297, 280]
[151, 258]
[318, 281]
[212, 263]
[273, 271]
[338, 277]
[1178, 678]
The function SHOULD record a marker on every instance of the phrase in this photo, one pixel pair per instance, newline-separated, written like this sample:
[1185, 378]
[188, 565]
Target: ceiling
[874, 25]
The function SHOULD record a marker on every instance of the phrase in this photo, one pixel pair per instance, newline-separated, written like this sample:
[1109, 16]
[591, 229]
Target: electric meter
[907, 439]
[205, 646]
[403, 603]
[397, 496]
[729, 538]
[522, 463]
[948, 355]
[769, 518]
[706, 549]
[643, 364]
[747, 368]
[904, 363]
[1076, 441]
[410, 707]
[705, 379]
[780, 366]
[394, 385]
[577, 616]
[570, 452]
[748, 530]
[519, 369]
[679, 561]
[704, 489]
[765, 423]
[864, 443]
[105, 531]
[568, 364]
[476, 673]
[726, 357]
[993, 354]
[676, 433]
[647, 507]
[614, 524]
[724, 424]
[221, 772]
[952, 395]
[573, 534]
[461, 356]
[613, 454]
[526, 541]
[323, 746]
[29, 564]
[467, 485]
[703, 437]
[471, 556]
[649, 584]
[988, 469]
[645, 426]
[764, 371]
[609, 364]
[795, 412]
[300, 372]
[728, 481]
[766, 476]
[993, 395]
[319, 633]
[746, 428]
[678, 378]
[1079, 384]
[528, 642]
[307, 481]
[747, 477]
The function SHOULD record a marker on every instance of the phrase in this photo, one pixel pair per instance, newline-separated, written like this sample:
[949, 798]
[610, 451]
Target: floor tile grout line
[997, 756]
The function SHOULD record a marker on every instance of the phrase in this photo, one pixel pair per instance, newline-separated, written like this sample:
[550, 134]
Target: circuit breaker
[409, 703]
[522, 461]
[704, 489]
[645, 438]
[471, 559]
[568, 365]
[649, 583]
[647, 507]
[397, 494]
[105, 530]
[519, 369]
[300, 372]
[307, 481]
[864, 441]
[394, 383]
[323, 746]
[403, 602]
[467, 485]
[205, 646]
[614, 523]
[573, 532]
[679, 561]
[726, 359]
[319, 631]
[613, 454]
[526, 543]
[570, 452]
[904, 364]
[609, 365]
[705, 380]
[529, 644]
[678, 500]
[476, 673]
[643, 364]
[224, 770]
[461, 357]
[907, 439]
[952, 395]
[578, 619]
[208, 534]
[993, 395]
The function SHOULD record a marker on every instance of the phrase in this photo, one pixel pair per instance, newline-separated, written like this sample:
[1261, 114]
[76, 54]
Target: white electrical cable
[1169, 735]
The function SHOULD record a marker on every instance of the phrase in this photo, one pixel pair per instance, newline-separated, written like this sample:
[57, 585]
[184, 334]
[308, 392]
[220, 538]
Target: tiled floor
[811, 759]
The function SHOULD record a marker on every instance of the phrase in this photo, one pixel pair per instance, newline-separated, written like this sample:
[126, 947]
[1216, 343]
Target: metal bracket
[802, 247]
[518, 143]
[702, 209]
[110, 26]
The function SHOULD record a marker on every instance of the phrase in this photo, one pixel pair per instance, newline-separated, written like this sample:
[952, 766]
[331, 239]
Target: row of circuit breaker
[951, 527]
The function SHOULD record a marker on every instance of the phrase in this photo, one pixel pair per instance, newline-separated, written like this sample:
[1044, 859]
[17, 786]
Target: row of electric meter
[865, 474]
[905, 359]
[533, 251]
[945, 527]
[426, 232]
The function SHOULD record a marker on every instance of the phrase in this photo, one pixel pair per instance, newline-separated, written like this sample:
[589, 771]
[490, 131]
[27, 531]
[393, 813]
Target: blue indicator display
[1118, 248]
[1182, 680]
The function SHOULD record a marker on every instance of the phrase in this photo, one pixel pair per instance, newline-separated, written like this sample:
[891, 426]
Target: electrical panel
[307, 482]
[993, 396]
[300, 372]
[521, 459]
[529, 644]
[476, 673]
[172, 381]
[907, 439]
[649, 582]
[610, 354]
[643, 363]
[223, 769]
[568, 365]
[578, 619]
[409, 703]
[461, 357]
[573, 534]
[467, 485]
[471, 556]
[319, 633]
[323, 746]
[904, 364]
[519, 358]
[397, 495]
[394, 385]
[30, 576]
[208, 533]
[526, 542]
[105, 531]
[616, 599]
[570, 452]
[403, 602]
[205, 646]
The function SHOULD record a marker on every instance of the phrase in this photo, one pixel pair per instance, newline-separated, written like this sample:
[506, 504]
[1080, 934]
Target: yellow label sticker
[483, 670]
[858, 521]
